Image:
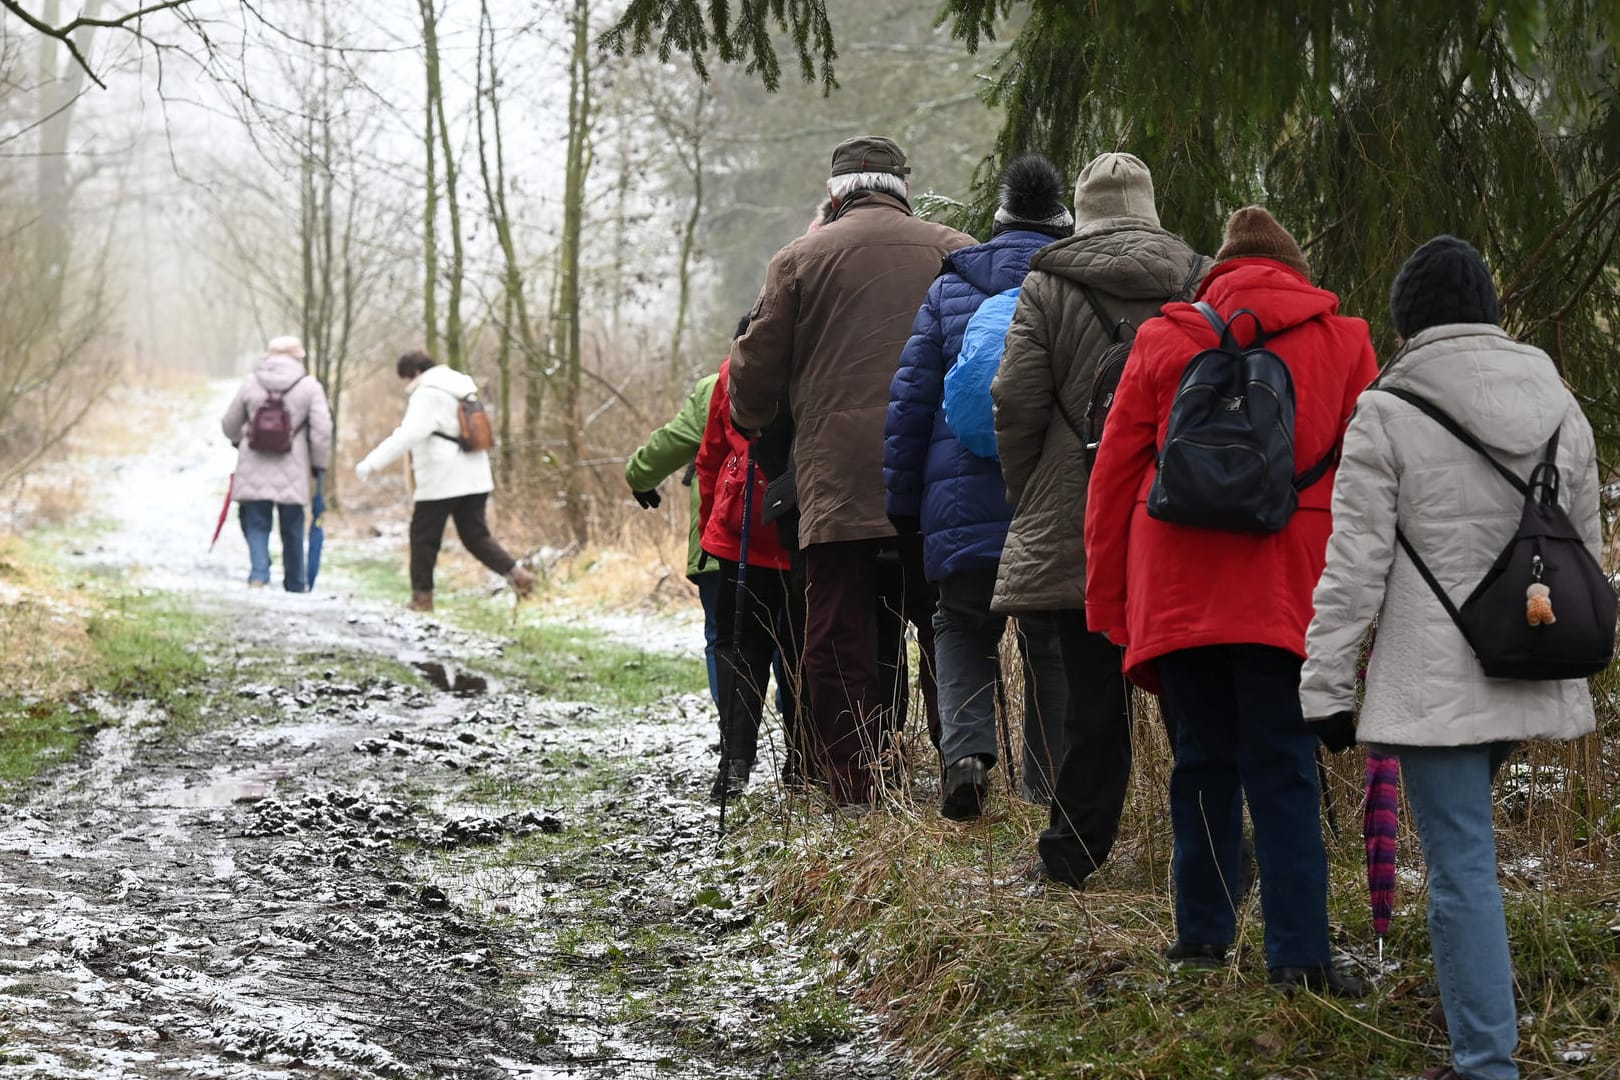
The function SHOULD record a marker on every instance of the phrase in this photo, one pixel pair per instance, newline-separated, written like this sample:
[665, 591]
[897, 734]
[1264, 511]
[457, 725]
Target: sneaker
[1199, 956]
[1442, 1072]
[258, 584]
[965, 784]
[731, 779]
[1322, 980]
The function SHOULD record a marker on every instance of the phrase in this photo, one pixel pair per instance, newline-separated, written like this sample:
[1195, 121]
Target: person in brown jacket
[1118, 266]
[828, 328]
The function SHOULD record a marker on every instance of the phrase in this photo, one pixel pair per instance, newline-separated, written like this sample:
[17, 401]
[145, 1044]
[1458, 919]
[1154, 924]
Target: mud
[376, 859]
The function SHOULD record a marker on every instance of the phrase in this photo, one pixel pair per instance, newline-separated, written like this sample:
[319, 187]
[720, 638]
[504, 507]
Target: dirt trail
[345, 872]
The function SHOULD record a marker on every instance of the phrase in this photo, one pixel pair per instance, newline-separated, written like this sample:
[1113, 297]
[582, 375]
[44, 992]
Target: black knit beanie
[1444, 281]
[1031, 198]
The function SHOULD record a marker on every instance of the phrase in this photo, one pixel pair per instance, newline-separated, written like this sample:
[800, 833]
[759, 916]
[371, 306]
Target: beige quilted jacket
[1424, 685]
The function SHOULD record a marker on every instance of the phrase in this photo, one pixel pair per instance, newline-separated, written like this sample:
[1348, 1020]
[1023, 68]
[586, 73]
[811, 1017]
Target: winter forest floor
[251, 834]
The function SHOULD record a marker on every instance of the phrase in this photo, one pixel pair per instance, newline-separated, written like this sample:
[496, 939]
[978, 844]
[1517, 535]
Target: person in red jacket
[1214, 621]
[722, 473]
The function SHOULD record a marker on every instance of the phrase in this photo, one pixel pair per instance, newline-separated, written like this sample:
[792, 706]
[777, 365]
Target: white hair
[839, 187]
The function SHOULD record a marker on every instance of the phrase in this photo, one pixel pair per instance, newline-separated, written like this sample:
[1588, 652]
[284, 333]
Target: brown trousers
[850, 587]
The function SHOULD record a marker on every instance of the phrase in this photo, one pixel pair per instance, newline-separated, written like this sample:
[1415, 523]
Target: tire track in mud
[356, 870]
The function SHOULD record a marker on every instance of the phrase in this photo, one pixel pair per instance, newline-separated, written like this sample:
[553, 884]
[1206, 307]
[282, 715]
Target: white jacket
[1424, 685]
[443, 469]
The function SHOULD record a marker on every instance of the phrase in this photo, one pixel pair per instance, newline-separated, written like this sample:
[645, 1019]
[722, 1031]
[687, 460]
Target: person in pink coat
[275, 483]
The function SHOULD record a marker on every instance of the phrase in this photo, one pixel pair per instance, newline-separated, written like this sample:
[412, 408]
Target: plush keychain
[1538, 607]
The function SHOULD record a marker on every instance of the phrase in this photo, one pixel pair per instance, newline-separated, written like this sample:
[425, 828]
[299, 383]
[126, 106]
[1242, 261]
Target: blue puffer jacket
[929, 474]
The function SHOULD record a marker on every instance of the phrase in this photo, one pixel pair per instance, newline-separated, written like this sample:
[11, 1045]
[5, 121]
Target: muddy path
[379, 854]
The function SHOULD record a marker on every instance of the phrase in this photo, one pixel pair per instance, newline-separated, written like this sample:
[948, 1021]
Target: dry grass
[980, 972]
[43, 628]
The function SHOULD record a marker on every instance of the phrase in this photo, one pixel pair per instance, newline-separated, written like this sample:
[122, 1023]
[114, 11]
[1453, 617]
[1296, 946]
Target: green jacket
[671, 448]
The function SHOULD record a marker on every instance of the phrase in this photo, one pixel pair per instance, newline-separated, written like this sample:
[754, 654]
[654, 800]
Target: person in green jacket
[666, 451]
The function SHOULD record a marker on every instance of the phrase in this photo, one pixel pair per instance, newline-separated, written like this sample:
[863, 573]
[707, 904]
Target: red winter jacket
[722, 470]
[1157, 588]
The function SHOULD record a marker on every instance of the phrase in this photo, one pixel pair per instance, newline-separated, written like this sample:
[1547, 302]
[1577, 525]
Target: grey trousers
[967, 640]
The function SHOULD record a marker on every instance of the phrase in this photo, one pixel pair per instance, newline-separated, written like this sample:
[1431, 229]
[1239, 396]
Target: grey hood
[1507, 394]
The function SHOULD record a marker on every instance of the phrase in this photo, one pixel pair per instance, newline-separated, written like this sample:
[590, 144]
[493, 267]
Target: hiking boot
[420, 601]
[522, 581]
[732, 779]
[1198, 956]
[1323, 980]
[1442, 1072]
[965, 783]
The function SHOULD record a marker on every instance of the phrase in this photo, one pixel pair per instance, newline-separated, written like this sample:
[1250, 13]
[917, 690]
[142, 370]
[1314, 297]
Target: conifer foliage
[1365, 128]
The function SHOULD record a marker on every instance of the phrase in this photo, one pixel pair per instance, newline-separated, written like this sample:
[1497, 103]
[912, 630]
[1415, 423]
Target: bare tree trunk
[430, 212]
[452, 200]
[59, 91]
[694, 167]
[567, 316]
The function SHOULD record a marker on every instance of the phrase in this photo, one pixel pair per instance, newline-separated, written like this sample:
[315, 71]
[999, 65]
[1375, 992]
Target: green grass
[559, 660]
[140, 646]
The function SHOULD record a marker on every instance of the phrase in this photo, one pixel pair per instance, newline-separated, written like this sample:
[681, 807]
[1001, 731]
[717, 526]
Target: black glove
[1337, 732]
[906, 524]
[649, 500]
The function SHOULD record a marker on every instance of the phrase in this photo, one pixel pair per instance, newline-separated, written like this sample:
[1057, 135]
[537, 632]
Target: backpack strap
[1434, 585]
[1103, 317]
[1444, 419]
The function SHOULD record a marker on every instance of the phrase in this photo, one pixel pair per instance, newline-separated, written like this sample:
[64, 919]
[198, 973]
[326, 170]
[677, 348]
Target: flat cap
[868, 154]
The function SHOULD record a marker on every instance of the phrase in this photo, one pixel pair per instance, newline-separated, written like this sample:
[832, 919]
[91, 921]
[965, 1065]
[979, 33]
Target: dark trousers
[1239, 733]
[847, 596]
[967, 650]
[427, 534]
[750, 622]
[1096, 770]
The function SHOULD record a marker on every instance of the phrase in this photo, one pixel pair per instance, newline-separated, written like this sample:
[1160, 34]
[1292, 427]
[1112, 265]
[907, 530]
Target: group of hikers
[1181, 474]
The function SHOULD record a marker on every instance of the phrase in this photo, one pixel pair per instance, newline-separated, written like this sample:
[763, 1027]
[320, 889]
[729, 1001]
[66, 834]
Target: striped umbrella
[1378, 824]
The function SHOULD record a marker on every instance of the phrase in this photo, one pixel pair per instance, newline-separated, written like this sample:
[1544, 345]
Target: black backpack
[271, 429]
[1565, 633]
[1228, 455]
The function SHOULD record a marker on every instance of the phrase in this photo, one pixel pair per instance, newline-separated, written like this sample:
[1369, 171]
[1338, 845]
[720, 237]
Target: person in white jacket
[1427, 698]
[451, 483]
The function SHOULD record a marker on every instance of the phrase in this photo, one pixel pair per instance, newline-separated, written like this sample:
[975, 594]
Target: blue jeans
[1239, 733]
[1449, 788]
[256, 517]
[708, 584]
[967, 656]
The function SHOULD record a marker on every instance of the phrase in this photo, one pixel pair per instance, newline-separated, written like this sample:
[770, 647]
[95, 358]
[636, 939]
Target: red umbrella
[224, 511]
[1379, 821]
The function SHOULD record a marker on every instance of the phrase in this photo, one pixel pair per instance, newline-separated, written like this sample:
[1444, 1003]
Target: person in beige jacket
[1427, 698]
[1121, 263]
[827, 331]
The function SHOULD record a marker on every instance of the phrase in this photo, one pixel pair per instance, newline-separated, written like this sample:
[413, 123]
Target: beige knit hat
[1114, 186]
[286, 346]
[1252, 233]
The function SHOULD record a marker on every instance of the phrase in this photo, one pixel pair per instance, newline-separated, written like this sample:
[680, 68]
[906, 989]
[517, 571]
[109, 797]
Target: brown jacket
[1053, 346]
[828, 328]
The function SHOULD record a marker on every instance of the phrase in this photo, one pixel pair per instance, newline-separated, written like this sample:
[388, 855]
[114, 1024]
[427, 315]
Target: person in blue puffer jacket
[958, 501]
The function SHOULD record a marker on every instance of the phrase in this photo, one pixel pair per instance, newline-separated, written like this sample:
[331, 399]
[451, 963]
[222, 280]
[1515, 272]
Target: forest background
[575, 199]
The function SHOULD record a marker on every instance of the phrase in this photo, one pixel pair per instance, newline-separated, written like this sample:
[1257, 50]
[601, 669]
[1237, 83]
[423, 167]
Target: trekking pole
[736, 640]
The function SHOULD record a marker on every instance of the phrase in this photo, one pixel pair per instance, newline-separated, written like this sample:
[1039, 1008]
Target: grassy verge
[981, 972]
[63, 644]
[551, 657]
